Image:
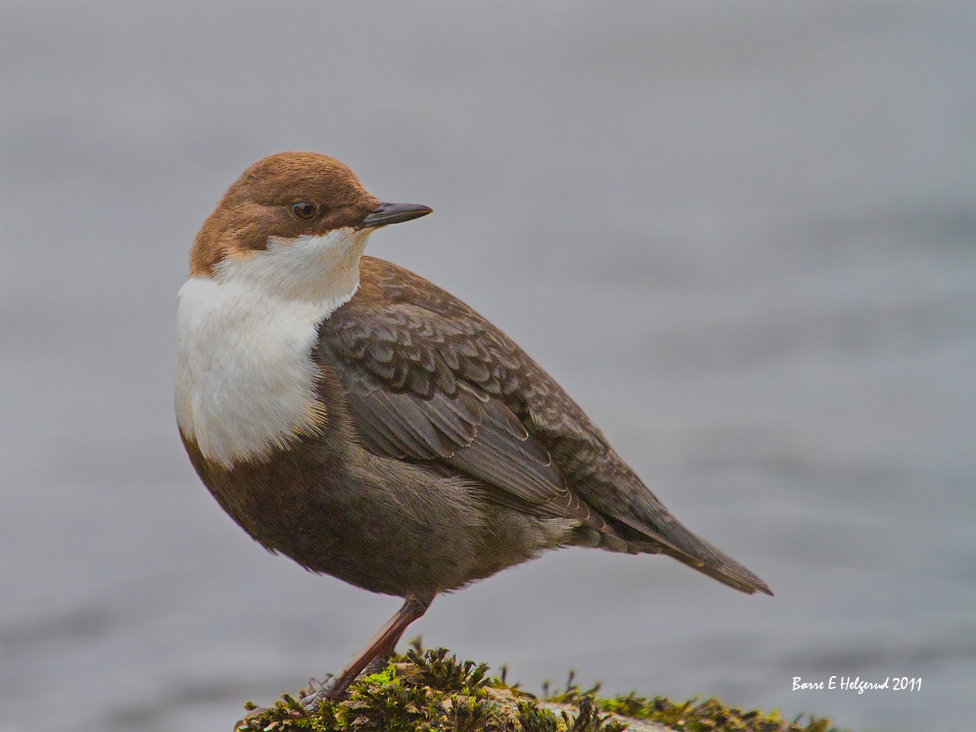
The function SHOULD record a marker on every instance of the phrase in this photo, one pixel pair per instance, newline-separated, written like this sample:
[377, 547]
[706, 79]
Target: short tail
[722, 567]
[671, 538]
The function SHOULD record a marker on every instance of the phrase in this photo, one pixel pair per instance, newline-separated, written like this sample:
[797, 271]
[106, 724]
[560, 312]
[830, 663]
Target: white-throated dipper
[360, 420]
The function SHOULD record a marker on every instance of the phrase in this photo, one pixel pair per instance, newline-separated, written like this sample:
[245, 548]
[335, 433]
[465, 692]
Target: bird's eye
[304, 210]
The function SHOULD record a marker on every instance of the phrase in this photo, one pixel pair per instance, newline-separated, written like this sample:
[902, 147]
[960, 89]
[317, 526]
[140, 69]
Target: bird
[353, 416]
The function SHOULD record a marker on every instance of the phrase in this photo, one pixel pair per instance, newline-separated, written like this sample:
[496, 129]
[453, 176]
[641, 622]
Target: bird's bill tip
[394, 213]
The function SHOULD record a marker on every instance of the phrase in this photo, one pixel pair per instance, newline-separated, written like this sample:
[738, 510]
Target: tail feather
[669, 537]
[723, 568]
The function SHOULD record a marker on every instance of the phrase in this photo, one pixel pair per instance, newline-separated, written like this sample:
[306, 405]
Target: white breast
[244, 377]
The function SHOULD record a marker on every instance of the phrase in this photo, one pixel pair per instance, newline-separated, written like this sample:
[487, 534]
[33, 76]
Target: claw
[318, 691]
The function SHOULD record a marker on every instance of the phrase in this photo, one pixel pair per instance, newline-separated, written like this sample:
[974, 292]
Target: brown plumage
[430, 381]
[437, 452]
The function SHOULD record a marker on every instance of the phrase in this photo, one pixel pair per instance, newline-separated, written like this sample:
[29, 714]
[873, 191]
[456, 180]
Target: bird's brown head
[284, 198]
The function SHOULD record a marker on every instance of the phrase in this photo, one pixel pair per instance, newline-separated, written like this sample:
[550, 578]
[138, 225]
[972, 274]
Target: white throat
[244, 378]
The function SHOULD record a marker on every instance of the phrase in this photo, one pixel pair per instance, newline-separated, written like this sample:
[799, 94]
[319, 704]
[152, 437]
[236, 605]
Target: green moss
[386, 676]
[427, 691]
[709, 716]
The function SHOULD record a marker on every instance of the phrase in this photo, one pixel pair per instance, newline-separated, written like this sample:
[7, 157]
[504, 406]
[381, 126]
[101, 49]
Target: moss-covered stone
[427, 691]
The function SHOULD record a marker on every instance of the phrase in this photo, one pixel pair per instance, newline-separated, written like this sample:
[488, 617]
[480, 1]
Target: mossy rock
[427, 691]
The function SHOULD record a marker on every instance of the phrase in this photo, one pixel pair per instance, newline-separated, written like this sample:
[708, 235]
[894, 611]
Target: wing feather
[409, 404]
[429, 381]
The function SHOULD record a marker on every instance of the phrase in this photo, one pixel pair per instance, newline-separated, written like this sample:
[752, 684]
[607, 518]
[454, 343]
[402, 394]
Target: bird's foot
[311, 696]
[336, 688]
[318, 692]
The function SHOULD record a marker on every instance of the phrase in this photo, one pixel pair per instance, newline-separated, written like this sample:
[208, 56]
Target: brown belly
[379, 524]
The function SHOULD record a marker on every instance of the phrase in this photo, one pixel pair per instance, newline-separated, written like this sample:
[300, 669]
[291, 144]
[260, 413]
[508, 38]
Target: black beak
[394, 213]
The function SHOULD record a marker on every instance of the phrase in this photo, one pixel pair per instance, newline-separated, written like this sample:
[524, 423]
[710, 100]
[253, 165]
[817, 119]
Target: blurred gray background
[741, 235]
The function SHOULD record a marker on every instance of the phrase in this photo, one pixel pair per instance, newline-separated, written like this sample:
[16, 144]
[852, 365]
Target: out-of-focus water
[740, 234]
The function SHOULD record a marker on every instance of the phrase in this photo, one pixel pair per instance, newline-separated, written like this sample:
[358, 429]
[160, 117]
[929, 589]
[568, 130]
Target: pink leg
[382, 642]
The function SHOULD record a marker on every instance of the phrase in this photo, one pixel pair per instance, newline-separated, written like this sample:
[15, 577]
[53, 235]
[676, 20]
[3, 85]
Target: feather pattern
[430, 381]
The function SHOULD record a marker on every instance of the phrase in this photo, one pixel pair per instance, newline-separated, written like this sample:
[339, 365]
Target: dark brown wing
[430, 381]
[419, 390]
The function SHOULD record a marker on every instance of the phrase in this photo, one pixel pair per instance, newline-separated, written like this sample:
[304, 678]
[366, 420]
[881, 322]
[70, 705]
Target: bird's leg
[381, 645]
[383, 641]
